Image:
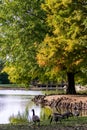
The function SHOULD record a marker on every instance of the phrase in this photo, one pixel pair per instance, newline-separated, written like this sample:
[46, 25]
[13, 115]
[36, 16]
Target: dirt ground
[68, 102]
[74, 98]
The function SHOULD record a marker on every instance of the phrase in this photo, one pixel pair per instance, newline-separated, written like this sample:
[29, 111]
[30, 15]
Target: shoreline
[74, 97]
[32, 88]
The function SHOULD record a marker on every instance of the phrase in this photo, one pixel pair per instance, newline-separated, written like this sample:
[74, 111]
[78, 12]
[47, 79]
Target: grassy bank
[74, 123]
[27, 127]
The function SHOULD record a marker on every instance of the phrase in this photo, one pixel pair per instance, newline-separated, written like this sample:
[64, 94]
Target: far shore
[31, 88]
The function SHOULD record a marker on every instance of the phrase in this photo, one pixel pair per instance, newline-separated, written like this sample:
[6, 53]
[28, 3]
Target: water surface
[13, 102]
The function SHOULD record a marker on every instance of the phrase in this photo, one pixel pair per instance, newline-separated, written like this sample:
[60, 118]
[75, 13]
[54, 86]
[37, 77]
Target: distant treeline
[4, 78]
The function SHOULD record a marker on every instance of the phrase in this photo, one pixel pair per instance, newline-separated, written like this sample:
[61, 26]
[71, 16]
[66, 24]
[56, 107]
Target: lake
[13, 102]
[19, 102]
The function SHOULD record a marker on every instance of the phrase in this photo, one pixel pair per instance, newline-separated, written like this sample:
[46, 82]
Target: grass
[75, 121]
[69, 122]
[82, 92]
[54, 92]
[72, 123]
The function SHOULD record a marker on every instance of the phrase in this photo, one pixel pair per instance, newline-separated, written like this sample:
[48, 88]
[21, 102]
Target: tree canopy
[65, 50]
[44, 39]
[22, 29]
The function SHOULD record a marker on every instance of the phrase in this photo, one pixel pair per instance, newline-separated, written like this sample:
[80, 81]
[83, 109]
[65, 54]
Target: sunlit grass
[54, 92]
[73, 123]
[46, 122]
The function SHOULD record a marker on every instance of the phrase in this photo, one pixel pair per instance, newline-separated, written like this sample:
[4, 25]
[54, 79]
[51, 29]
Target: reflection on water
[19, 92]
[14, 101]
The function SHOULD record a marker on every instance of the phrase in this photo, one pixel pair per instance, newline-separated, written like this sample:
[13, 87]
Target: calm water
[13, 102]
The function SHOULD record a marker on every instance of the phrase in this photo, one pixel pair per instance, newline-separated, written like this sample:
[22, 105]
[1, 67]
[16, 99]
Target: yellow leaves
[44, 56]
[78, 61]
[56, 31]
[77, 15]
[75, 63]
[65, 18]
[69, 45]
[11, 71]
[47, 111]
[75, 33]
[40, 60]
[55, 4]
[48, 5]
[46, 52]
[47, 39]
[50, 20]
[55, 69]
[66, 2]
[50, 2]
[8, 69]
[35, 44]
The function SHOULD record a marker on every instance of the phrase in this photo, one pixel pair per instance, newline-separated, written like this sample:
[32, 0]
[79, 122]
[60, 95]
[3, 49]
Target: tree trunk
[71, 84]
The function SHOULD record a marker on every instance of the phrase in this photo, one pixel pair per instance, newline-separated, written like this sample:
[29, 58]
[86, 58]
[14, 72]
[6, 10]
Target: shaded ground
[27, 127]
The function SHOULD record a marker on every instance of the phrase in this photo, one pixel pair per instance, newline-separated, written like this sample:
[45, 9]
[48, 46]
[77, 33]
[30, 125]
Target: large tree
[65, 48]
[44, 39]
[22, 29]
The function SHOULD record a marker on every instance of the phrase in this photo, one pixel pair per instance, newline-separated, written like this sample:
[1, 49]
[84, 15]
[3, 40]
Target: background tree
[4, 78]
[22, 29]
[1, 65]
[3, 75]
[65, 49]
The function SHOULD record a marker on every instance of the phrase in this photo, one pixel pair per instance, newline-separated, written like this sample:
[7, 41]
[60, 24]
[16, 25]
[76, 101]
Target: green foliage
[1, 65]
[65, 49]
[43, 39]
[22, 29]
[20, 118]
[17, 120]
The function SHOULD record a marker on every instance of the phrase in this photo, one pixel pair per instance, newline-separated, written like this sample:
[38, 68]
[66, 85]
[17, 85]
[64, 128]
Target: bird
[35, 118]
[76, 113]
[55, 117]
[67, 115]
